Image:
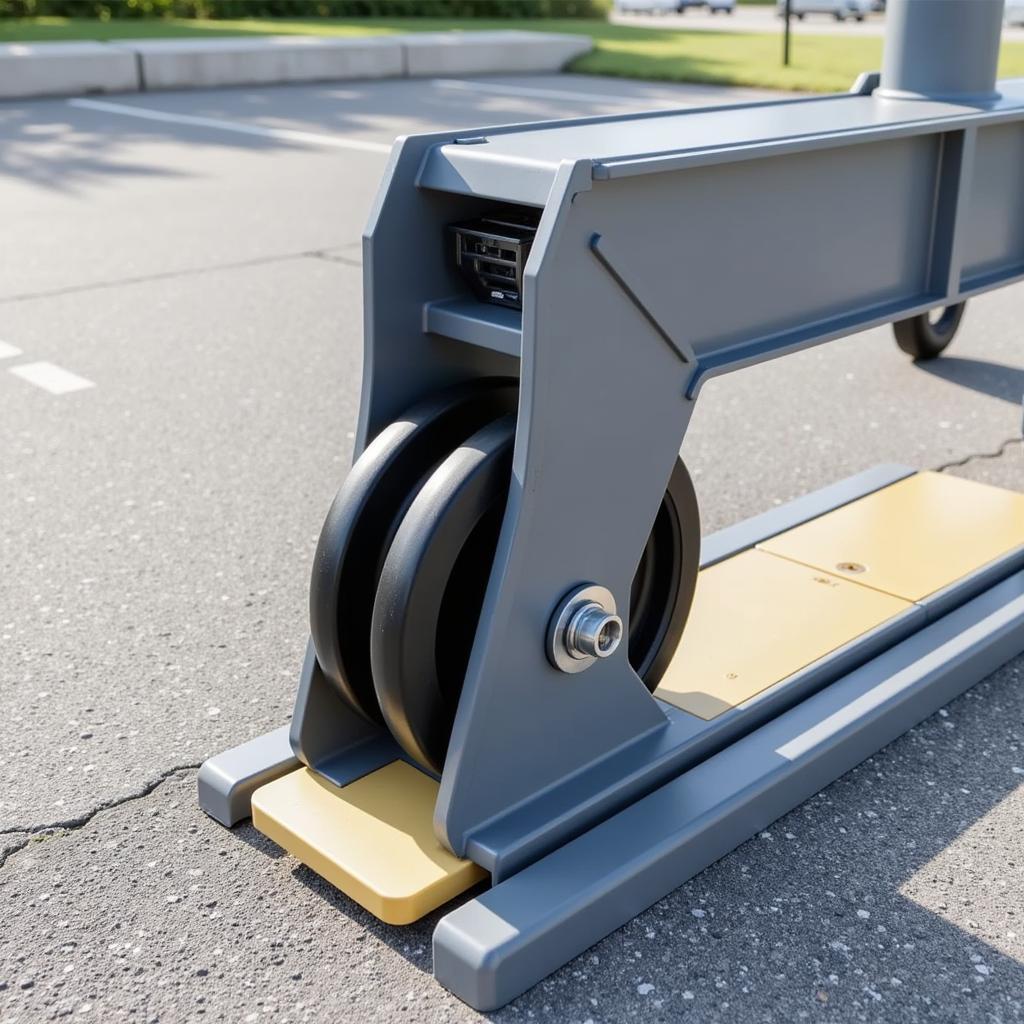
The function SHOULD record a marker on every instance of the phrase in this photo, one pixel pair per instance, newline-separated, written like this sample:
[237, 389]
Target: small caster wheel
[926, 336]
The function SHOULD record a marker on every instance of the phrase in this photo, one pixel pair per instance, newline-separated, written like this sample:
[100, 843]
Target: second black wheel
[432, 584]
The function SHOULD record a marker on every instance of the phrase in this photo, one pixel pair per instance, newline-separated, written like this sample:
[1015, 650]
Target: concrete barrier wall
[55, 69]
[453, 53]
[207, 63]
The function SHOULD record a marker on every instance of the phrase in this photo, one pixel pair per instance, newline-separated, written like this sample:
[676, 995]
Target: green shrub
[106, 9]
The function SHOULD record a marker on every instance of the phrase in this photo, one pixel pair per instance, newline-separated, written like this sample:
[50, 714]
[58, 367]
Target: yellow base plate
[766, 613]
[757, 619]
[373, 839]
[913, 538]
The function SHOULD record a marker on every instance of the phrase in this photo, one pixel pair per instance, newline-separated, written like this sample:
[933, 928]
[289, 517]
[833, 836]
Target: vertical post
[941, 49]
[785, 34]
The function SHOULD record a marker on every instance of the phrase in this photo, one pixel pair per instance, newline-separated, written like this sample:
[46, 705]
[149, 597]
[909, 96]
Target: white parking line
[51, 377]
[459, 85]
[8, 351]
[285, 134]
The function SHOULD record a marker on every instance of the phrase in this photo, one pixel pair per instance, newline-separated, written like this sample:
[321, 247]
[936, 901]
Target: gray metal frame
[621, 323]
[625, 314]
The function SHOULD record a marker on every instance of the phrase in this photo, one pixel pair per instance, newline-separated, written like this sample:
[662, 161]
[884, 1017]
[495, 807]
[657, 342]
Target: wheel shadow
[994, 379]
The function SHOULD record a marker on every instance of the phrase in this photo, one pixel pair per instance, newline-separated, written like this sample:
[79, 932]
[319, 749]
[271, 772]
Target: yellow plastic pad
[757, 619]
[910, 539]
[373, 839]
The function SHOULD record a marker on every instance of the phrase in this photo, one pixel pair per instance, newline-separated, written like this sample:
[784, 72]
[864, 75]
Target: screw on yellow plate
[913, 538]
[757, 619]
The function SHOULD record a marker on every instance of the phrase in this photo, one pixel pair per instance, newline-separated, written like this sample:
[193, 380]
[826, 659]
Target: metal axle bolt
[592, 632]
[583, 629]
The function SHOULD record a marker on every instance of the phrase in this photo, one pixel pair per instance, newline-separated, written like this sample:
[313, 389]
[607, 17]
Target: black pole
[785, 35]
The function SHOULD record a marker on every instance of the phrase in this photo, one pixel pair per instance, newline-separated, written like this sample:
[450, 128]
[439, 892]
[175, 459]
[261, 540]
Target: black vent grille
[491, 252]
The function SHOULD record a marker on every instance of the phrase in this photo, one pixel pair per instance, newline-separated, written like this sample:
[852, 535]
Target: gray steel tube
[942, 49]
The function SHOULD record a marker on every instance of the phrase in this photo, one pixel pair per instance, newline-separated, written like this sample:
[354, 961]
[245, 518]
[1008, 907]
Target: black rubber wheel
[431, 588]
[364, 517]
[432, 585]
[925, 338]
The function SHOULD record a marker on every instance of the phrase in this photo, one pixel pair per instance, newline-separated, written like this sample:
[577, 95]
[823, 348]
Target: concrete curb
[206, 63]
[62, 69]
[449, 53]
[48, 69]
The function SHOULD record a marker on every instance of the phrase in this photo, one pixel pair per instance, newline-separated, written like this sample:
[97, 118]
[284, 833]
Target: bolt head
[583, 629]
[593, 632]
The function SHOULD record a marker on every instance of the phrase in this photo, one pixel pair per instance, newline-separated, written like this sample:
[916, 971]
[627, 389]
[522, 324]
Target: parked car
[673, 6]
[839, 9]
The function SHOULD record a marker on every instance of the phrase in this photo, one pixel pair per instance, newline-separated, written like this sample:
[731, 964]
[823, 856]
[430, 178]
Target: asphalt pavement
[180, 348]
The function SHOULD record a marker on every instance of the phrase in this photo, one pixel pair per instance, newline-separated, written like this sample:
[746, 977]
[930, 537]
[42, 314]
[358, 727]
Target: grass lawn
[820, 63]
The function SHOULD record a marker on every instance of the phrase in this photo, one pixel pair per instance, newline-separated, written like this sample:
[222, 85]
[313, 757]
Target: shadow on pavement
[44, 146]
[58, 146]
[994, 379]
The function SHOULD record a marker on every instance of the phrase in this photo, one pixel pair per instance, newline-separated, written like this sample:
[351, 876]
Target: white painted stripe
[285, 134]
[51, 377]
[462, 85]
[8, 351]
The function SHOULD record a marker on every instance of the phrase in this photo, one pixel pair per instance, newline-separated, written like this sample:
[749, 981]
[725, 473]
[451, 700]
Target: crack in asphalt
[325, 254]
[981, 456]
[55, 829]
[169, 275]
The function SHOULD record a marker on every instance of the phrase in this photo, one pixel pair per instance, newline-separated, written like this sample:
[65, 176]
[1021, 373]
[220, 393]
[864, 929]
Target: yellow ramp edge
[757, 619]
[910, 539]
[373, 839]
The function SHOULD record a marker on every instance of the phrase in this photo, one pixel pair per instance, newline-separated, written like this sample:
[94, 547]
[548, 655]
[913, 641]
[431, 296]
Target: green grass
[819, 63]
[822, 63]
